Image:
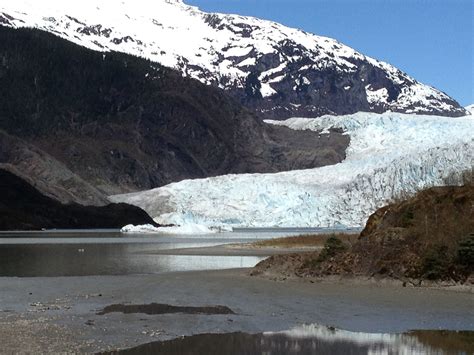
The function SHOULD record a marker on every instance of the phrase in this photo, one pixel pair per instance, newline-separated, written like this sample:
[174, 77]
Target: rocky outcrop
[429, 236]
[427, 239]
[22, 207]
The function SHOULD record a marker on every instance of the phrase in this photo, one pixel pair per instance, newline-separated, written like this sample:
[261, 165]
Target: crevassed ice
[389, 155]
[192, 229]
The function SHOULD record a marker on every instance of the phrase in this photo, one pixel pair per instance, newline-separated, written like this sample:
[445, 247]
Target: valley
[187, 182]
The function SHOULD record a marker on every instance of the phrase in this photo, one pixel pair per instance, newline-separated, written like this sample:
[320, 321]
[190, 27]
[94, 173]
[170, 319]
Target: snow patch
[470, 109]
[238, 51]
[266, 90]
[376, 96]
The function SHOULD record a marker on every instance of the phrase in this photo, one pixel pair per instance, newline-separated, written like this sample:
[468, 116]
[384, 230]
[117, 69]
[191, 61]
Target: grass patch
[301, 241]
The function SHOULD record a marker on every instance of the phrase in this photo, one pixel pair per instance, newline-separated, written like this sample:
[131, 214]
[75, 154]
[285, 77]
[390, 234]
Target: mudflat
[61, 314]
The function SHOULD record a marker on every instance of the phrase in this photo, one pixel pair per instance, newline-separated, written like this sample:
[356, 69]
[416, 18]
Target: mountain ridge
[275, 70]
[123, 126]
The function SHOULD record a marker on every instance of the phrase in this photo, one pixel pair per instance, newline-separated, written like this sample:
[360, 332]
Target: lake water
[109, 252]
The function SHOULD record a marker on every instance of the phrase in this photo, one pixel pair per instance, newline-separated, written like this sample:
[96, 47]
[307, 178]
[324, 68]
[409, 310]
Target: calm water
[314, 339]
[80, 253]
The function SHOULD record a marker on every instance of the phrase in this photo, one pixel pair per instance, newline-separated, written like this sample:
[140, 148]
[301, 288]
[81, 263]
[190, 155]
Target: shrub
[436, 262]
[465, 252]
[332, 247]
[407, 218]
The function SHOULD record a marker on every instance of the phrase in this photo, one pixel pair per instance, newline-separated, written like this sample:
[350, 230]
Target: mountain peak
[276, 70]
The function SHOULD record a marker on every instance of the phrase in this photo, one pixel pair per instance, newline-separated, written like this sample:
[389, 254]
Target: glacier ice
[390, 155]
[192, 229]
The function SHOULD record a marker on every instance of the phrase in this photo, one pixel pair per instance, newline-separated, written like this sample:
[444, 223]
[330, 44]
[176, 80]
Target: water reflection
[109, 252]
[314, 339]
[108, 259]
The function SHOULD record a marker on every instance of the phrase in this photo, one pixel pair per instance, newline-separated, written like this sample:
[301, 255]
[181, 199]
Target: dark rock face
[325, 78]
[22, 207]
[124, 124]
[304, 90]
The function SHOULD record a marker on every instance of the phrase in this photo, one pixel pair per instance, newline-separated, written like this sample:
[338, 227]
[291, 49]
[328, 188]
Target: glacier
[188, 229]
[390, 156]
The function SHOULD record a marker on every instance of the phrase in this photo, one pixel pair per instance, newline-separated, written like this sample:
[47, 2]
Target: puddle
[313, 339]
[157, 308]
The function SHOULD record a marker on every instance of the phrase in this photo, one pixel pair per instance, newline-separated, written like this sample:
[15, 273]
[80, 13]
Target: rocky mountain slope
[22, 207]
[121, 123]
[278, 71]
[391, 155]
[45, 173]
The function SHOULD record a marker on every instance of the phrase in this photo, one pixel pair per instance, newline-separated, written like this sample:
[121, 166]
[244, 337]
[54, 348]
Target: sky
[431, 40]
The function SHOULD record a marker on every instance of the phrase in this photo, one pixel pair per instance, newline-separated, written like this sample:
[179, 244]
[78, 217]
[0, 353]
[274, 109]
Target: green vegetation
[436, 262]
[407, 218]
[465, 252]
[332, 247]
[442, 262]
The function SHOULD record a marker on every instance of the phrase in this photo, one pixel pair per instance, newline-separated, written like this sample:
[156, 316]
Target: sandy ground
[59, 314]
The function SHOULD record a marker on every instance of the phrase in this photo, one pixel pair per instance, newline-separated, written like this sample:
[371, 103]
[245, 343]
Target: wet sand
[61, 313]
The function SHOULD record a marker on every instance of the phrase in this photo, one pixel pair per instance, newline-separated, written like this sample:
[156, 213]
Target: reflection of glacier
[171, 263]
[389, 155]
[370, 343]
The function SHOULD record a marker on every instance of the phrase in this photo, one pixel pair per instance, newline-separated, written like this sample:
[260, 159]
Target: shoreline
[366, 281]
[252, 249]
[58, 314]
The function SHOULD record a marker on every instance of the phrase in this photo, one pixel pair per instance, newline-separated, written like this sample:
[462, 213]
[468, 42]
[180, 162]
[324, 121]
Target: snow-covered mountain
[279, 71]
[391, 155]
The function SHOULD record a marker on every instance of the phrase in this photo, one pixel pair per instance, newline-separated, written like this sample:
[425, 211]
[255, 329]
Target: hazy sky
[432, 40]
